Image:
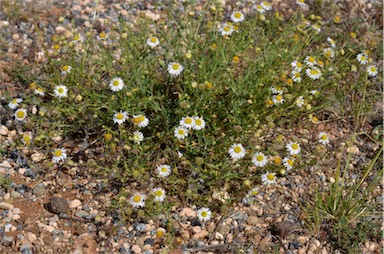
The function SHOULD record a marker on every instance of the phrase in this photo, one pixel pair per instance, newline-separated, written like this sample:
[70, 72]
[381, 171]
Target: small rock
[312, 247]
[15, 217]
[60, 29]
[188, 212]
[74, 203]
[303, 239]
[136, 248]
[6, 206]
[85, 244]
[6, 168]
[294, 245]
[7, 196]
[57, 205]
[253, 220]
[15, 194]
[201, 235]
[31, 237]
[39, 190]
[21, 171]
[16, 210]
[284, 228]
[229, 238]
[3, 130]
[36, 157]
[353, 150]
[196, 229]
[7, 240]
[219, 236]
[317, 243]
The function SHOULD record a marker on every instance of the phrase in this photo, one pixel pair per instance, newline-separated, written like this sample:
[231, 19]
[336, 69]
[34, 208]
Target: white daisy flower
[362, 58]
[187, 122]
[314, 92]
[372, 70]
[60, 154]
[120, 117]
[163, 170]
[236, 151]
[301, 3]
[276, 90]
[140, 120]
[254, 192]
[179, 154]
[259, 8]
[175, 69]
[259, 159]
[296, 77]
[153, 42]
[102, 36]
[61, 91]
[116, 84]
[199, 123]
[299, 101]
[293, 148]
[329, 52]
[226, 29]
[313, 73]
[159, 194]
[39, 91]
[204, 214]
[26, 139]
[310, 61]
[266, 5]
[317, 27]
[138, 137]
[268, 178]
[298, 66]
[323, 138]
[278, 99]
[78, 38]
[181, 132]
[20, 114]
[332, 42]
[137, 200]
[288, 163]
[237, 16]
[65, 69]
[14, 103]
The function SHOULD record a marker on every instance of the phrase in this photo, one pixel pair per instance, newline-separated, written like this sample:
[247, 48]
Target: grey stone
[39, 190]
[57, 205]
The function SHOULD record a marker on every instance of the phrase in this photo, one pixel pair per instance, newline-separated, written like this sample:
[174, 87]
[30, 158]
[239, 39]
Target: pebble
[15, 217]
[74, 203]
[253, 220]
[7, 196]
[36, 157]
[31, 237]
[15, 194]
[3, 130]
[6, 168]
[201, 235]
[312, 247]
[219, 236]
[39, 190]
[188, 212]
[57, 205]
[136, 248]
[6, 206]
[7, 240]
[21, 171]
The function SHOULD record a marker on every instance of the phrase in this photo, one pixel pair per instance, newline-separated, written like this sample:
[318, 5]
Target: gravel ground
[58, 212]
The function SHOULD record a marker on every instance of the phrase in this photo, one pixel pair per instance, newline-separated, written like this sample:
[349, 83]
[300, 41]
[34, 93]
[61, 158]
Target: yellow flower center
[255, 192]
[120, 116]
[311, 59]
[102, 35]
[188, 120]
[314, 72]
[237, 149]
[290, 162]
[160, 233]
[297, 75]
[20, 114]
[295, 146]
[259, 7]
[153, 39]
[270, 177]
[299, 65]
[58, 153]
[56, 47]
[175, 66]
[137, 199]
[116, 83]
[301, 1]
[277, 160]
[204, 214]
[108, 136]
[198, 122]
[373, 69]
[328, 53]
[227, 29]
[138, 119]
[236, 59]
[158, 193]
[363, 58]
[259, 157]
[163, 169]
[27, 139]
[237, 15]
[324, 137]
[65, 68]
[76, 38]
[266, 4]
[180, 132]
[279, 97]
[14, 101]
[60, 90]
